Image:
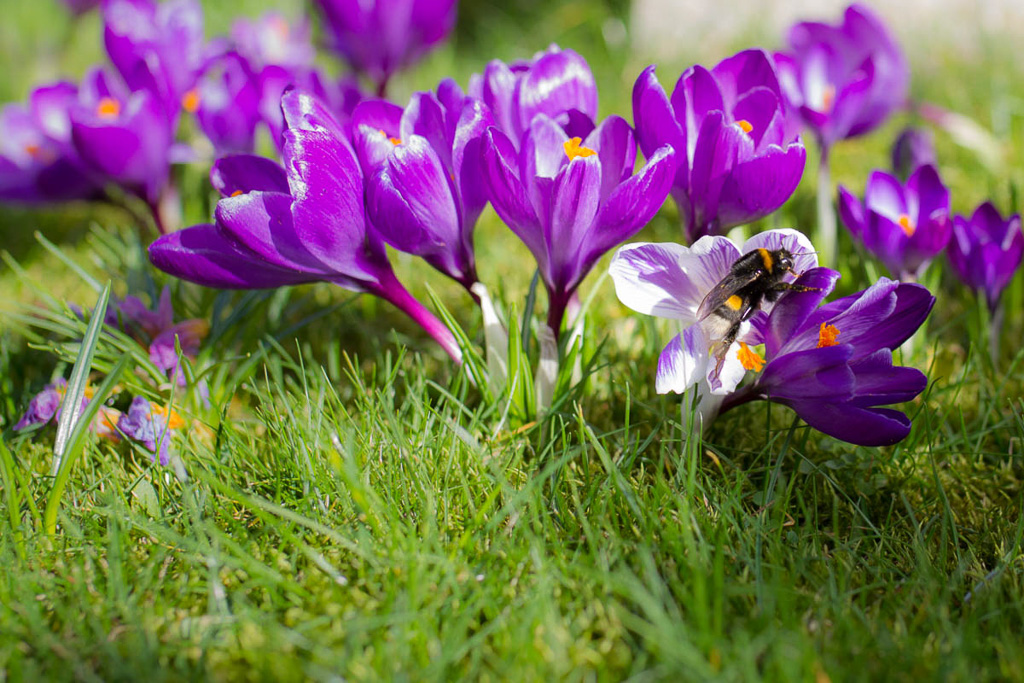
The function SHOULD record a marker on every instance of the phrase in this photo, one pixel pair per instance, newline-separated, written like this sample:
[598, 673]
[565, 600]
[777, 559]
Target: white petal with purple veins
[683, 362]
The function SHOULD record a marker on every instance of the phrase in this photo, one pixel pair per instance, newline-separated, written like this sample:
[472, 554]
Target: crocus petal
[851, 212]
[822, 374]
[616, 150]
[507, 194]
[795, 242]
[374, 122]
[246, 173]
[760, 185]
[782, 327]
[650, 279]
[860, 426]
[559, 80]
[683, 362]
[576, 199]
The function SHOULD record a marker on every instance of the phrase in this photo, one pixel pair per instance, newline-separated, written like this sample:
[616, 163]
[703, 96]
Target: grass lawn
[349, 507]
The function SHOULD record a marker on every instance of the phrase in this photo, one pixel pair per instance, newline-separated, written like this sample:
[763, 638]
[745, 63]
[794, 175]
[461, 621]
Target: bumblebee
[753, 278]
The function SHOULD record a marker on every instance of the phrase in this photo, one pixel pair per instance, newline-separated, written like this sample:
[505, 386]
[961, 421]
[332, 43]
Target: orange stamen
[279, 26]
[108, 108]
[827, 335]
[190, 101]
[749, 358]
[907, 225]
[174, 421]
[573, 149]
[236, 193]
[828, 98]
[393, 141]
[745, 125]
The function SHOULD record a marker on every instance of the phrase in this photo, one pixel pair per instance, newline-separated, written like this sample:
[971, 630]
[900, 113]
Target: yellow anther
[827, 335]
[749, 359]
[745, 125]
[393, 141]
[190, 101]
[108, 108]
[573, 149]
[907, 225]
[236, 193]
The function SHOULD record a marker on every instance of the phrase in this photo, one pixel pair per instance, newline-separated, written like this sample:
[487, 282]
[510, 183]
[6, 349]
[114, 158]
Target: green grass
[348, 507]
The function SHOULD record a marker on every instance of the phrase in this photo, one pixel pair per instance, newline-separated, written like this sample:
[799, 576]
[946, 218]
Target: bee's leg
[722, 348]
[776, 290]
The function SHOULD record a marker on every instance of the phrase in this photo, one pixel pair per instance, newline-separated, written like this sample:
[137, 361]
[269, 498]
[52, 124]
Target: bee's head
[784, 260]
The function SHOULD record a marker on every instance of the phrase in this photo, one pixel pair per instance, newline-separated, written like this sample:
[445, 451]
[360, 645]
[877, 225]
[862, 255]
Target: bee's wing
[731, 284]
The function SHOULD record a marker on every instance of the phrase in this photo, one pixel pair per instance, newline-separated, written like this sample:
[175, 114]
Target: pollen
[190, 101]
[828, 98]
[745, 125]
[108, 108]
[174, 421]
[236, 193]
[749, 358]
[393, 141]
[827, 335]
[907, 225]
[573, 149]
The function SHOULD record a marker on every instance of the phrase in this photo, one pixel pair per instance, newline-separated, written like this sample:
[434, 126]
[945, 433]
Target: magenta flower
[305, 222]
[557, 83]
[226, 102]
[571, 200]
[380, 37]
[125, 137]
[736, 160]
[845, 80]
[48, 403]
[905, 226]
[832, 364]
[157, 47]
[38, 162]
[272, 40]
[152, 425]
[425, 187]
[986, 250]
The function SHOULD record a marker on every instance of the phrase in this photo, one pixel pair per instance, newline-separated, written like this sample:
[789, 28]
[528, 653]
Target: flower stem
[557, 303]
[826, 213]
[391, 290]
[739, 397]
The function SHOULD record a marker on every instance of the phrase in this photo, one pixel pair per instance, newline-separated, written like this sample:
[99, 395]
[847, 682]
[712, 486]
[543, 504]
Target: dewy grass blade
[69, 417]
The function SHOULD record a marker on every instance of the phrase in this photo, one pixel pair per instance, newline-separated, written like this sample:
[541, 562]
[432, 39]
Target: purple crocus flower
[156, 47]
[986, 250]
[571, 200]
[425, 187]
[151, 425]
[125, 137]
[905, 226]
[671, 281]
[557, 83]
[380, 37]
[832, 364]
[913, 148]
[48, 403]
[736, 160]
[226, 102]
[845, 80]
[38, 163]
[305, 222]
[272, 40]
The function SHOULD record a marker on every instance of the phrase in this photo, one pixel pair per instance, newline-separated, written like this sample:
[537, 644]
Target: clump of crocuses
[304, 222]
[736, 161]
[831, 363]
[904, 225]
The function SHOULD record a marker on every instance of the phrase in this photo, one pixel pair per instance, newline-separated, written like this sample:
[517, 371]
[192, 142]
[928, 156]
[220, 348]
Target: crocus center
[280, 27]
[393, 141]
[190, 101]
[828, 98]
[173, 420]
[108, 108]
[749, 358]
[745, 126]
[573, 149]
[827, 335]
[907, 225]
